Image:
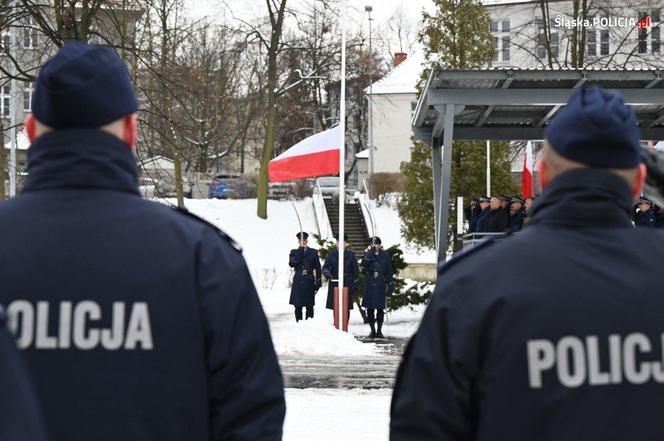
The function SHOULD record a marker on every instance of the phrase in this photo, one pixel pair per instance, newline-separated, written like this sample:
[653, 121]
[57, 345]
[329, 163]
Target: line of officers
[497, 214]
[308, 274]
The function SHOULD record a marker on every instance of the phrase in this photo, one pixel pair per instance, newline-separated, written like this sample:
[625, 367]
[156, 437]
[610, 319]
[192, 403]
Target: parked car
[147, 187]
[165, 188]
[227, 186]
[329, 188]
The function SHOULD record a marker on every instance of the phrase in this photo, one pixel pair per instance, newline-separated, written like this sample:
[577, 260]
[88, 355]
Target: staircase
[355, 227]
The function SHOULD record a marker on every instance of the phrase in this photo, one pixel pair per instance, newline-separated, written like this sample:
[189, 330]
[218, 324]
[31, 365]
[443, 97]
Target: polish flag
[317, 155]
[527, 175]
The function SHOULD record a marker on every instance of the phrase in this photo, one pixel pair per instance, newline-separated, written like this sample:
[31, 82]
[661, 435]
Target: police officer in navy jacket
[478, 222]
[378, 284]
[138, 322]
[20, 416]
[307, 277]
[574, 350]
[644, 215]
[351, 273]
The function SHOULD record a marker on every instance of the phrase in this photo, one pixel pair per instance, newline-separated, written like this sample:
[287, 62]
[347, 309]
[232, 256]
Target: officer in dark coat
[307, 278]
[498, 218]
[351, 273]
[573, 351]
[644, 215]
[378, 284]
[139, 322]
[20, 417]
[478, 222]
[517, 214]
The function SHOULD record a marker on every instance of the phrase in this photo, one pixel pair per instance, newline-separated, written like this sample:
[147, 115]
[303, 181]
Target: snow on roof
[157, 163]
[401, 79]
[504, 2]
[22, 142]
[364, 154]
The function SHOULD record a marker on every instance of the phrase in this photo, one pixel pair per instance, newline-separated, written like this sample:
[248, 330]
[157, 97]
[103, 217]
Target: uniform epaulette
[225, 236]
[443, 266]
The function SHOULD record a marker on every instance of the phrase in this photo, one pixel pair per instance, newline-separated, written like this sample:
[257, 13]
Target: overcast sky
[248, 9]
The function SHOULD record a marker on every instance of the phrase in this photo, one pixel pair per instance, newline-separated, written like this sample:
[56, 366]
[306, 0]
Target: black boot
[379, 334]
[373, 330]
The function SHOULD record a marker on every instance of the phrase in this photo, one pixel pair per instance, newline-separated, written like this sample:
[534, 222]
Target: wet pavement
[372, 372]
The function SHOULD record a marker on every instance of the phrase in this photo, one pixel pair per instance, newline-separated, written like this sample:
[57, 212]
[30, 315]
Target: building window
[5, 97]
[643, 35]
[506, 48]
[591, 42]
[5, 40]
[554, 41]
[28, 90]
[604, 42]
[501, 40]
[30, 35]
[655, 33]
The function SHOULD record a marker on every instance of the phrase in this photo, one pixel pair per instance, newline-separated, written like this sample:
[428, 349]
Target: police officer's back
[573, 351]
[20, 416]
[138, 322]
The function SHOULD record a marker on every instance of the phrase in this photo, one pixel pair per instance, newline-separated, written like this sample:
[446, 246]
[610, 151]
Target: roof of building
[514, 104]
[401, 79]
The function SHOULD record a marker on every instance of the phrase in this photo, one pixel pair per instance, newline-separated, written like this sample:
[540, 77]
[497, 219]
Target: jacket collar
[585, 198]
[81, 158]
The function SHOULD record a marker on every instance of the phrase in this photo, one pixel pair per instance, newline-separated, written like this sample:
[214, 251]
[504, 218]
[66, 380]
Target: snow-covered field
[334, 415]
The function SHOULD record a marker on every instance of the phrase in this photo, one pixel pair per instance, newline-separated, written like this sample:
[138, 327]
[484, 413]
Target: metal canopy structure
[515, 104]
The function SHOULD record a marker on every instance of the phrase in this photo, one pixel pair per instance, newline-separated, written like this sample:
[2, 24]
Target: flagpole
[342, 161]
[488, 168]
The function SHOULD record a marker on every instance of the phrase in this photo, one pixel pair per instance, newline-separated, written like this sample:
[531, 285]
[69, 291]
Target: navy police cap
[597, 129]
[83, 86]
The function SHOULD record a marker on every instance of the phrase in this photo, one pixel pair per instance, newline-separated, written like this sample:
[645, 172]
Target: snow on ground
[315, 337]
[337, 414]
[388, 228]
[266, 244]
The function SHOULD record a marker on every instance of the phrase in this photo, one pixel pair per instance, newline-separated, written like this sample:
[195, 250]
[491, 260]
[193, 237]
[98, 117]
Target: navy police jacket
[379, 279]
[20, 417]
[138, 322]
[351, 275]
[307, 277]
[573, 351]
[645, 219]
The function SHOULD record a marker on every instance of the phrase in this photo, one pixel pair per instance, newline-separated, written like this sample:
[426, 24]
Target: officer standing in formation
[498, 218]
[478, 221]
[139, 322]
[351, 277]
[307, 278]
[644, 214]
[573, 351]
[378, 284]
[20, 416]
[517, 213]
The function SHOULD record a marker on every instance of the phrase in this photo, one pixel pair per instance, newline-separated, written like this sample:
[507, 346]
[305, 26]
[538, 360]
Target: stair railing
[366, 203]
[324, 227]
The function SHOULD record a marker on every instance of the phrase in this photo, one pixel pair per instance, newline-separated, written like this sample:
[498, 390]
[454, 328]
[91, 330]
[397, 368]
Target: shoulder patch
[225, 236]
[458, 257]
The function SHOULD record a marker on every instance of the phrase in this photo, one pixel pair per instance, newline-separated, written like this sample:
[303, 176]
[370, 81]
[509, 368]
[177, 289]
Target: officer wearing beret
[20, 417]
[351, 274]
[573, 351]
[644, 215]
[307, 277]
[139, 322]
[517, 214]
[478, 222]
[378, 284]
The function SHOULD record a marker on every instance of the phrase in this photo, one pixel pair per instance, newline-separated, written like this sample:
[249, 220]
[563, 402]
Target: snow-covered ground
[334, 414]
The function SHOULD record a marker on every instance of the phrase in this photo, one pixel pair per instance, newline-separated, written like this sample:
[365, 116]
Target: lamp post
[370, 142]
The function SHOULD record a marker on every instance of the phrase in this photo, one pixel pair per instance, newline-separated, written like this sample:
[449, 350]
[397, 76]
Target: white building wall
[392, 131]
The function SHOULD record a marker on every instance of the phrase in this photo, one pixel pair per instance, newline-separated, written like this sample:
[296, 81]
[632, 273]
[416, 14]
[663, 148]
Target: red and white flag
[317, 155]
[527, 189]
